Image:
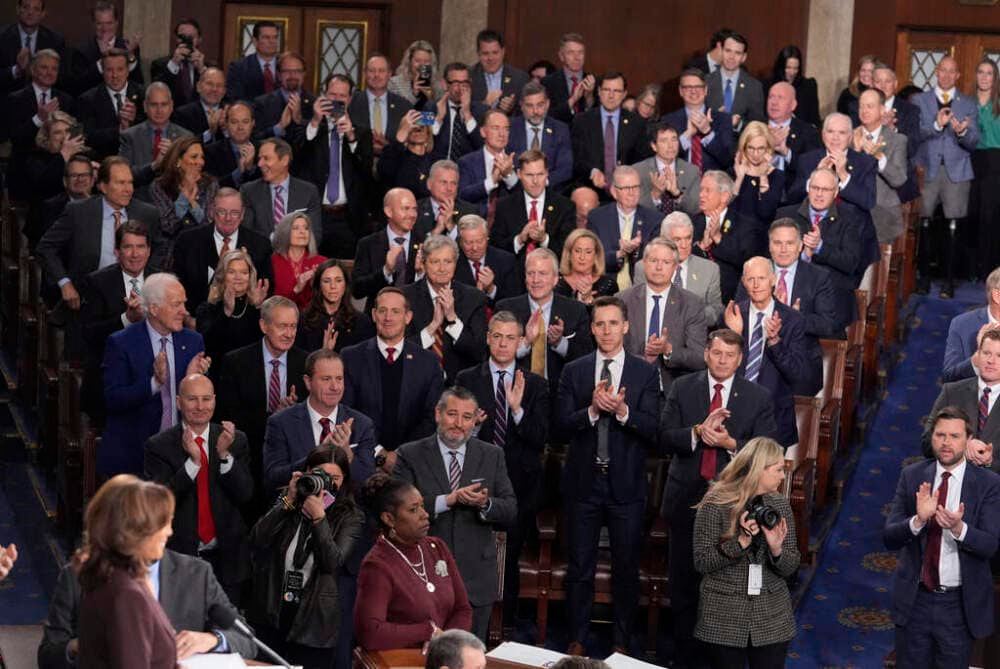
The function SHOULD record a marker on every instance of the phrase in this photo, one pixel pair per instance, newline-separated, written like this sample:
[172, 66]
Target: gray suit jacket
[136, 146]
[187, 590]
[703, 281]
[512, 80]
[467, 531]
[684, 317]
[887, 215]
[748, 98]
[259, 216]
[688, 181]
[964, 394]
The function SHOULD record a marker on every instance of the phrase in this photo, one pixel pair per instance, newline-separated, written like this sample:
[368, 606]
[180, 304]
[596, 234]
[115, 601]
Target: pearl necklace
[419, 568]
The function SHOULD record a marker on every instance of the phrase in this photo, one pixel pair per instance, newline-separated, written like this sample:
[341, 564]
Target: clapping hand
[960, 126]
[225, 440]
[340, 437]
[515, 391]
[199, 364]
[980, 453]
[258, 292]
[772, 329]
[190, 446]
[288, 400]
[8, 556]
[950, 520]
[926, 503]
[302, 280]
[330, 335]
[657, 345]
[733, 317]
[554, 333]
[133, 308]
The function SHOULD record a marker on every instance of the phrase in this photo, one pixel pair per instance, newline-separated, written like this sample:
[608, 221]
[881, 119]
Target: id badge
[293, 586]
[756, 580]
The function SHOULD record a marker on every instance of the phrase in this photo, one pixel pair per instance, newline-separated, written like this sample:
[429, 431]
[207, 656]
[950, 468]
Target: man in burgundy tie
[145, 144]
[570, 88]
[944, 524]
[257, 74]
[706, 141]
[707, 416]
[206, 464]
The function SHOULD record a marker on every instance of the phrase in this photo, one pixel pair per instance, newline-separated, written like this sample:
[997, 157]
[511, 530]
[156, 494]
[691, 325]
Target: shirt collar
[108, 209]
[994, 387]
[371, 97]
[939, 92]
[613, 115]
[753, 311]
[813, 212]
[445, 449]
[154, 576]
[509, 369]
[203, 434]
[392, 234]
[726, 385]
[780, 124]
[271, 61]
[123, 92]
[618, 359]
[284, 185]
[39, 90]
[127, 278]
[221, 239]
[314, 415]
[660, 165]
[156, 336]
[790, 269]
[957, 474]
[283, 358]
[889, 102]
[876, 133]
[541, 201]
[546, 308]
[383, 346]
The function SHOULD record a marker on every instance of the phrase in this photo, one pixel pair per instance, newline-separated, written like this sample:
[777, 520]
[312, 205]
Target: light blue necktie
[727, 96]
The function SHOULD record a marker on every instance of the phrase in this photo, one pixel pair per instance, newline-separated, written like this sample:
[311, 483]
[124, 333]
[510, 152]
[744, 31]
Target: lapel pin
[548, 131]
[694, 276]
[550, 208]
[850, 167]
[409, 356]
[794, 135]
[742, 85]
[392, 105]
[423, 176]
[506, 80]
[725, 226]
[625, 121]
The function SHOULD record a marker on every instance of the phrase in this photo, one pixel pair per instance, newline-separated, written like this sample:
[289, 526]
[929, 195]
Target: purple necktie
[609, 153]
[166, 400]
[333, 181]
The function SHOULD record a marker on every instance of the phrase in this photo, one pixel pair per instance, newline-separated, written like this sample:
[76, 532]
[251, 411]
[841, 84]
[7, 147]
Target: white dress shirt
[615, 370]
[455, 329]
[562, 348]
[331, 128]
[383, 348]
[314, 418]
[539, 211]
[391, 235]
[192, 468]
[949, 566]
[488, 183]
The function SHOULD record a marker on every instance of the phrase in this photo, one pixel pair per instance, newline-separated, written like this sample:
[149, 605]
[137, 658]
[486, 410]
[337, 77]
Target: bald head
[585, 199]
[947, 73]
[400, 209]
[781, 102]
[195, 383]
[196, 401]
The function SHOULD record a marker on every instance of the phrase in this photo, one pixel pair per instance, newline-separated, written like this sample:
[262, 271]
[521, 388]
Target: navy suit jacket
[717, 154]
[133, 410]
[603, 222]
[741, 240]
[472, 174]
[556, 145]
[962, 344]
[588, 143]
[559, 217]
[470, 307]
[10, 46]
[981, 496]
[288, 440]
[441, 140]
[628, 445]
[506, 276]
[245, 79]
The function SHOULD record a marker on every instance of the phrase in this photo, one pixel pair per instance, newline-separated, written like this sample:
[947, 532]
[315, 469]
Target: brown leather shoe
[576, 648]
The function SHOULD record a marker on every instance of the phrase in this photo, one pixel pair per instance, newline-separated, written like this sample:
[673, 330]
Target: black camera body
[186, 40]
[313, 483]
[763, 513]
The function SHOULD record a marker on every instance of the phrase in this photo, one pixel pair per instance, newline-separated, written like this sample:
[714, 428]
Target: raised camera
[763, 513]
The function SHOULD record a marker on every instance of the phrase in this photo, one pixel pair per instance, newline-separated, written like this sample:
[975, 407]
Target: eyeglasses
[232, 214]
[627, 188]
[820, 189]
[82, 175]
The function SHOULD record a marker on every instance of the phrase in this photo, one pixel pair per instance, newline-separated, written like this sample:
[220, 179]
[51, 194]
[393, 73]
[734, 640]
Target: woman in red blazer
[294, 259]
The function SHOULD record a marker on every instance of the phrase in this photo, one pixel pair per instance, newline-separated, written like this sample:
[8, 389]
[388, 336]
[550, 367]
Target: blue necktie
[654, 319]
[727, 96]
[756, 356]
[333, 181]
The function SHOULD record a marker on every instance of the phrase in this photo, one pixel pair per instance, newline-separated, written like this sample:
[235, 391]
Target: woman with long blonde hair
[758, 185]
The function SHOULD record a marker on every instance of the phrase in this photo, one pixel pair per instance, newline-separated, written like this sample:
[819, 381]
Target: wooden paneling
[71, 18]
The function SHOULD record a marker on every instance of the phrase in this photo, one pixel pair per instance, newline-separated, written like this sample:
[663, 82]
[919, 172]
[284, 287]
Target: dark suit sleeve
[860, 189]
[564, 225]
[571, 418]
[788, 355]
[96, 323]
[562, 171]
[436, 386]
[238, 482]
[582, 342]
[472, 341]
[406, 471]
[61, 625]
[157, 467]
[367, 279]
[123, 390]
[533, 430]
[823, 321]
[503, 503]
[234, 81]
[896, 532]
[642, 419]
[51, 246]
[470, 186]
[674, 434]
[843, 256]
[957, 365]
[277, 469]
[363, 464]
[981, 537]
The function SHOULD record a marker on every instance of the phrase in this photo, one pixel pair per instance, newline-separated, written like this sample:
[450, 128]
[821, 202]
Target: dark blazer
[472, 173]
[962, 333]
[506, 276]
[195, 255]
[72, 246]
[748, 96]
[558, 89]
[980, 495]
[259, 208]
[421, 387]
[21, 107]
[396, 104]
[100, 120]
[188, 590]
[717, 154]
[628, 445]
[604, 222]
[368, 277]
[576, 327]
[245, 78]
[136, 146]
[965, 395]
[512, 215]
[49, 210]
[191, 116]
[221, 163]
[426, 219]
[741, 240]
[470, 307]
[10, 46]
[556, 145]
[860, 190]
[289, 440]
[751, 415]
[761, 206]
[268, 108]
[802, 138]
[468, 530]
[474, 138]
[83, 64]
[158, 71]
[588, 143]
[164, 463]
[133, 411]
[511, 82]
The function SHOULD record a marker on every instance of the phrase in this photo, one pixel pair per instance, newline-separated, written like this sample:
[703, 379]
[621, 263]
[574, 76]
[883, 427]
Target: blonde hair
[218, 287]
[738, 482]
[753, 130]
[566, 263]
[855, 85]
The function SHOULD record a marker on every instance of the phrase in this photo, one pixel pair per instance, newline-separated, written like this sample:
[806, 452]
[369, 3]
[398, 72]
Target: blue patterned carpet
[844, 618]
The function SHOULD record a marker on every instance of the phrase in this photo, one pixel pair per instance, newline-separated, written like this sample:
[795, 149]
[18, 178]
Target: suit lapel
[259, 393]
[437, 463]
[305, 425]
[180, 355]
[473, 460]
[167, 569]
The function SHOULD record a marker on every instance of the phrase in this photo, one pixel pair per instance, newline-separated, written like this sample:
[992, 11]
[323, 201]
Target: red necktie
[157, 136]
[274, 387]
[324, 431]
[476, 266]
[390, 354]
[816, 219]
[206, 523]
[781, 290]
[696, 158]
[438, 346]
[268, 78]
[532, 216]
[929, 575]
[710, 454]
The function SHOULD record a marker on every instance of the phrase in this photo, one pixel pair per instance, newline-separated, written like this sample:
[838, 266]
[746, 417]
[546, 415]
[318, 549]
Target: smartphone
[336, 109]
[427, 118]
[76, 130]
[424, 74]
[475, 481]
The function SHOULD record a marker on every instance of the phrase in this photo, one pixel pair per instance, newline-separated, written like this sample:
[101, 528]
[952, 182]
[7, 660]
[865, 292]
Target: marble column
[828, 48]
[461, 20]
[150, 19]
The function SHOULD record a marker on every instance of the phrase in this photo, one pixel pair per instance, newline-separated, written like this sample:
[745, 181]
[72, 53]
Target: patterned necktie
[609, 153]
[538, 352]
[500, 412]
[438, 346]
[696, 155]
[678, 281]
[929, 575]
[225, 246]
[984, 411]
[324, 429]
[166, 398]
[624, 277]
[454, 471]
[781, 290]
[536, 140]
[946, 98]
[157, 138]
[206, 523]
[135, 286]
[654, 318]
[377, 116]
[576, 82]
[604, 422]
[399, 269]
[459, 143]
[476, 266]
[756, 355]
[118, 218]
[43, 98]
[727, 96]
[268, 78]
[390, 354]
[710, 454]
[274, 387]
[279, 204]
[118, 103]
[532, 216]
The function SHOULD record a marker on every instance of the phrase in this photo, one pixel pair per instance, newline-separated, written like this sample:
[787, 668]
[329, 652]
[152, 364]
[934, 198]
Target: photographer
[299, 548]
[182, 69]
[744, 548]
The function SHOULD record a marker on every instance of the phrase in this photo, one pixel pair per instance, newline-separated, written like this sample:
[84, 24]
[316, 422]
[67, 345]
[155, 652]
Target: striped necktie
[984, 411]
[756, 355]
[500, 411]
[279, 204]
[454, 471]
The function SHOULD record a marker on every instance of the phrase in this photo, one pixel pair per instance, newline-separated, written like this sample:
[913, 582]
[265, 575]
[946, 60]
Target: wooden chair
[50, 354]
[801, 484]
[73, 433]
[28, 328]
[853, 368]
[831, 397]
[11, 242]
[894, 292]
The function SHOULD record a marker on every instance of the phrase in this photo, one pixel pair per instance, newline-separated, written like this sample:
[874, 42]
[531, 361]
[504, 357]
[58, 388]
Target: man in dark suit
[282, 112]
[607, 136]
[707, 416]
[233, 160]
[260, 379]
[440, 212]
[336, 157]
[205, 465]
[84, 63]
[185, 587]
[832, 238]
[458, 117]
[467, 495]
[669, 322]
[379, 369]
[145, 144]
[449, 318]
[775, 353]
[606, 410]
[484, 267]
[703, 142]
[113, 105]
[82, 240]
[556, 328]
[389, 257]
[535, 215]
[570, 88]
[965, 330]
[517, 410]
[376, 107]
[944, 525]
[488, 174]
[143, 366]
[791, 136]
[537, 129]
[204, 116]
[904, 118]
[252, 76]
[624, 227]
[79, 177]
[731, 89]
[495, 83]
[184, 68]
[323, 419]
[276, 193]
[21, 40]
[709, 61]
[197, 251]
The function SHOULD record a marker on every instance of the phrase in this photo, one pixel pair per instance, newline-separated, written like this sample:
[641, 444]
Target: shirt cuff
[623, 419]
[470, 125]
[484, 513]
[937, 127]
[489, 184]
[523, 350]
[125, 322]
[591, 417]
[426, 340]
[493, 293]
[517, 416]
[511, 180]
[685, 143]
[173, 67]
[63, 281]
[192, 468]
[206, 136]
[436, 128]
[843, 184]
[386, 275]
[226, 465]
[961, 537]
[882, 162]
[36, 119]
[440, 505]
[819, 247]
[913, 526]
[707, 139]
[694, 440]
[517, 245]
[278, 130]
[223, 646]
[455, 329]
[562, 348]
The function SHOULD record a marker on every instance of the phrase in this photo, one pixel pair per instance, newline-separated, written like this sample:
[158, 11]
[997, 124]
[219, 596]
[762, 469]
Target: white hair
[154, 289]
[676, 219]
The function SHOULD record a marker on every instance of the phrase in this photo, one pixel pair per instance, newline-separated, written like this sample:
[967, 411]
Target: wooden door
[919, 51]
[241, 18]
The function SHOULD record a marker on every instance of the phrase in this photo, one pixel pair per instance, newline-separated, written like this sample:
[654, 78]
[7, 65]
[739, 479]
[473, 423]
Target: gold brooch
[726, 226]
[506, 80]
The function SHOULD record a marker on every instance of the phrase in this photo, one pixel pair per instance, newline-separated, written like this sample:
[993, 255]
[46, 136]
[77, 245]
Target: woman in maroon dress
[409, 588]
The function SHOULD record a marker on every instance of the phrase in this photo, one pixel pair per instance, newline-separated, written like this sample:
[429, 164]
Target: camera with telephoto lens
[763, 513]
[186, 40]
[313, 483]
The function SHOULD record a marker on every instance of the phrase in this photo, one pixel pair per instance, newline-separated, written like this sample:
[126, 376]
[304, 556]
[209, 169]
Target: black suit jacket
[740, 242]
[506, 276]
[191, 116]
[10, 46]
[512, 80]
[512, 215]
[718, 153]
[245, 79]
[396, 104]
[802, 138]
[425, 214]
[100, 120]
[368, 277]
[751, 415]
[83, 65]
[267, 111]
[474, 138]
[195, 255]
[588, 143]
[221, 163]
[158, 71]
[20, 108]
[628, 445]
[558, 89]
[965, 395]
[164, 458]
[470, 307]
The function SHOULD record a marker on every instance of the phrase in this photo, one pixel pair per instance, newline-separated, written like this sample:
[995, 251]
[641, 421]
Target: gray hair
[268, 306]
[837, 116]
[992, 282]
[723, 182]
[158, 86]
[460, 393]
[443, 164]
[626, 170]
[283, 232]
[665, 243]
[879, 65]
[472, 222]
[445, 650]
[676, 219]
[154, 289]
[435, 243]
[548, 254]
[506, 317]
[227, 191]
[45, 53]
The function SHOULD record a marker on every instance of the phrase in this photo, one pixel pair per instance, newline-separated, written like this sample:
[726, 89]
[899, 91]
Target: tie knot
[945, 476]
[399, 240]
[453, 454]
[718, 387]
[278, 189]
[656, 298]
[163, 342]
[324, 421]
[226, 239]
[784, 273]
[607, 363]
[501, 373]
[986, 390]
[760, 317]
[275, 363]
[200, 441]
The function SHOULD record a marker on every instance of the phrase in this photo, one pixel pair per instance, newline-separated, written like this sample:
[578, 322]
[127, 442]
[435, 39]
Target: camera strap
[756, 579]
[303, 543]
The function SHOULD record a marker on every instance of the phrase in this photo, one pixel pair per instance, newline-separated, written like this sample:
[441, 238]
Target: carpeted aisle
[844, 619]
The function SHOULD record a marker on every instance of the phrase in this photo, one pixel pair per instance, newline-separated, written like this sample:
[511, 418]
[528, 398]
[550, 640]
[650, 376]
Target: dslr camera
[313, 483]
[763, 513]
